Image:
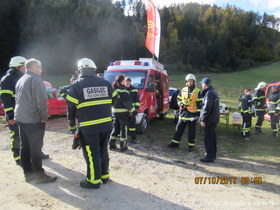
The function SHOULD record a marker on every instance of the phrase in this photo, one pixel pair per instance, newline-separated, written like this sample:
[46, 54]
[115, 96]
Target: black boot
[87, 184]
[173, 145]
[104, 181]
[42, 177]
[190, 149]
[123, 145]
[112, 145]
[44, 156]
[207, 160]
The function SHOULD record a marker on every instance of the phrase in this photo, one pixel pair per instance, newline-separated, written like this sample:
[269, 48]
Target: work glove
[78, 140]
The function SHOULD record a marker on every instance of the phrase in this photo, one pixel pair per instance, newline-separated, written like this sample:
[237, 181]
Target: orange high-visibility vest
[190, 102]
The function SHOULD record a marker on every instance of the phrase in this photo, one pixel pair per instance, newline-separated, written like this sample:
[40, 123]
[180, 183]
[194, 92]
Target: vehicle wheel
[143, 126]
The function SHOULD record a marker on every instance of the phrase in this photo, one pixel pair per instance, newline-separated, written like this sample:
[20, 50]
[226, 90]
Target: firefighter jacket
[122, 103]
[210, 111]
[7, 91]
[91, 98]
[274, 103]
[189, 100]
[64, 90]
[246, 103]
[134, 95]
[259, 100]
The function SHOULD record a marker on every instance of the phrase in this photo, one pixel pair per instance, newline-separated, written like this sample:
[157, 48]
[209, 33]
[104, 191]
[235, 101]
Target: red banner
[153, 31]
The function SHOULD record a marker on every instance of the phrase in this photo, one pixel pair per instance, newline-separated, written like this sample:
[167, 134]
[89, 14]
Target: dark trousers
[31, 143]
[273, 122]
[120, 127]
[132, 127]
[246, 125]
[260, 119]
[15, 141]
[180, 128]
[210, 140]
[96, 156]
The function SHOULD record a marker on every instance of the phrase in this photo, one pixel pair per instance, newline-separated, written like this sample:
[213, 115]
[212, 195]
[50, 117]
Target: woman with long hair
[122, 107]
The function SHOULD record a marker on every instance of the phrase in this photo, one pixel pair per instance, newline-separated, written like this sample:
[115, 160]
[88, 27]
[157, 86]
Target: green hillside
[231, 85]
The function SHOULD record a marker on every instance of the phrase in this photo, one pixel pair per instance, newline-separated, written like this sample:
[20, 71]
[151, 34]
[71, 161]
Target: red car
[268, 92]
[56, 104]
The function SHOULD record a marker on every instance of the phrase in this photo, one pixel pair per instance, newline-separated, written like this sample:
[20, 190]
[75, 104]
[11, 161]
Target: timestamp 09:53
[228, 180]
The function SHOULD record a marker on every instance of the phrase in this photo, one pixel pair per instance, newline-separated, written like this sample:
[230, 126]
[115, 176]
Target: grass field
[229, 87]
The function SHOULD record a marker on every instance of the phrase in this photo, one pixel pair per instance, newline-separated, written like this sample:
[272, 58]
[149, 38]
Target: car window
[50, 92]
[137, 77]
[151, 84]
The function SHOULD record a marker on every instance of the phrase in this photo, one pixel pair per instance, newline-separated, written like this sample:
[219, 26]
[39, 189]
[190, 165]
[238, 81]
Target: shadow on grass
[112, 195]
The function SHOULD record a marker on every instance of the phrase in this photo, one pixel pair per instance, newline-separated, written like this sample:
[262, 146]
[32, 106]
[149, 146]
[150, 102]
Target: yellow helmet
[190, 77]
[86, 63]
[17, 61]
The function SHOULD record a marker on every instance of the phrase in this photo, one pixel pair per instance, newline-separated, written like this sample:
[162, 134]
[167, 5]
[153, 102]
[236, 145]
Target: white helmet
[223, 106]
[190, 76]
[17, 61]
[261, 85]
[86, 63]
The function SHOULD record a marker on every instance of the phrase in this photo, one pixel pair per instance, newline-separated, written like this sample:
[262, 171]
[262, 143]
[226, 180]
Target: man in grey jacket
[31, 114]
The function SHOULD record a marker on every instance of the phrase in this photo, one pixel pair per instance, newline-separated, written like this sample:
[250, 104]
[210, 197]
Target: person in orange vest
[189, 101]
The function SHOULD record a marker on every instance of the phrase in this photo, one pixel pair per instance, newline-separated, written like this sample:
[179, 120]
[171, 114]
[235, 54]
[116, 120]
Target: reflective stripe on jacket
[90, 98]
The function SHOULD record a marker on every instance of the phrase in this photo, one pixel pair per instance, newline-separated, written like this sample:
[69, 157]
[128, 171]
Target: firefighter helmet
[190, 77]
[86, 63]
[261, 85]
[17, 61]
[223, 106]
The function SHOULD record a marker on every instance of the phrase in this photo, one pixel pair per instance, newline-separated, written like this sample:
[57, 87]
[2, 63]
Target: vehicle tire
[143, 126]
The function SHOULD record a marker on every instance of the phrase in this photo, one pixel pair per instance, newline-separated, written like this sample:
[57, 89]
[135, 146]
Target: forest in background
[194, 37]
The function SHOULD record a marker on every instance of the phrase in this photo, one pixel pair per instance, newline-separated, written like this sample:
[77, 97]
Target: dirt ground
[148, 176]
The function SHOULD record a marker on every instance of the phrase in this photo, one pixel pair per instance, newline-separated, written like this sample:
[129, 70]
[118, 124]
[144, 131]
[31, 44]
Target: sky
[271, 7]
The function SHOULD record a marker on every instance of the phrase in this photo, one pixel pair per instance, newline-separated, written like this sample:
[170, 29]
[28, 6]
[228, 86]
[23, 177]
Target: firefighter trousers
[31, 143]
[120, 127]
[180, 128]
[246, 124]
[95, 151]
[15, 141]
[210, 140]
[273, 122]
[132, 127]
[260, 119]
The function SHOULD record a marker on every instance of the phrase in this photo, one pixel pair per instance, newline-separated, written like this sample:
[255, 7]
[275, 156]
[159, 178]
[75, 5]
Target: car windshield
[137, 77]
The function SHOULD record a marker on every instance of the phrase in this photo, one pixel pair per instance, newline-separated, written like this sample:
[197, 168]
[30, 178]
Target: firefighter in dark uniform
[189, 101]
[246, 112]
[274, 110]
[122, 108]
[134, 95]
[7, 91]
[260, 106]
[92, 98]
[64, 91]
